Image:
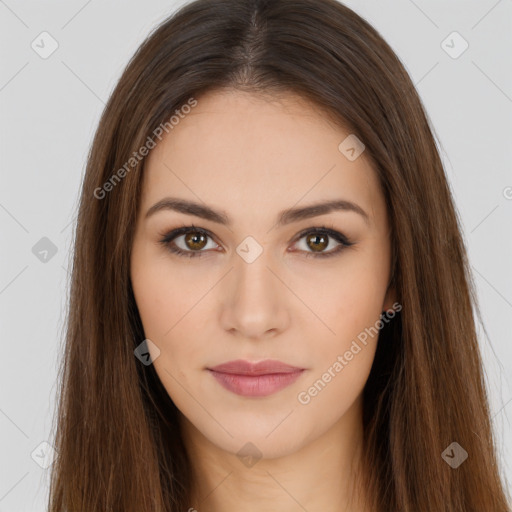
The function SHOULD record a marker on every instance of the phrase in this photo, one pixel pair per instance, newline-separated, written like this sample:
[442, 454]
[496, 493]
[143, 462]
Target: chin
[254, 439]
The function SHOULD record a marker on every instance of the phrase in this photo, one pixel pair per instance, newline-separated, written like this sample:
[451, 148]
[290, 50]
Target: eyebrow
[283, 218]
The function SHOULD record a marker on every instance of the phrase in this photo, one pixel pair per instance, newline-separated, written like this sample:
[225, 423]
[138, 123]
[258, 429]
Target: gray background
[49, 111]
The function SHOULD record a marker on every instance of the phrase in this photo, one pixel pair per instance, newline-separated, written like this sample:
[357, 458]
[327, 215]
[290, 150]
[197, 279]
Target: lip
[263, 378]
[266, 367]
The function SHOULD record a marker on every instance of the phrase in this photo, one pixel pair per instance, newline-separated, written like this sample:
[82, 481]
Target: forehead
[247, 153]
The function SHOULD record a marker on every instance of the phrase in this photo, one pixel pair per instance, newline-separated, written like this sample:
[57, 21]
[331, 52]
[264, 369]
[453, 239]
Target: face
[258, 275]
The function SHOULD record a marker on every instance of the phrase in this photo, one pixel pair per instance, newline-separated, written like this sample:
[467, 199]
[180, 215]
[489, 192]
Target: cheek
[169, 305]
[350, 306]
[345, 297]
[342, 359]
[164, 295]
[359, 303]
[163, 312]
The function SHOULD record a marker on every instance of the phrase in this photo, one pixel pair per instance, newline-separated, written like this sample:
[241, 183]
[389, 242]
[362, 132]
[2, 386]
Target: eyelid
[330, 231]
[169, 236]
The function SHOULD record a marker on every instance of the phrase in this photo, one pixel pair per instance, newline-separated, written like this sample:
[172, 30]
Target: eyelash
[339, 237]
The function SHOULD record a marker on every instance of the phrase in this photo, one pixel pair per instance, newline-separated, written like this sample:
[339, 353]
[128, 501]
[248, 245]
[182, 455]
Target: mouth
[255, 379]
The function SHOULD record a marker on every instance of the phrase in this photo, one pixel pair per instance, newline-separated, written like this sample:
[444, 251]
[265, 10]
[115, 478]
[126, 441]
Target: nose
[255, 300]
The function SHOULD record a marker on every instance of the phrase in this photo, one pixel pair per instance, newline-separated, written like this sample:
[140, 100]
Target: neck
[324, 474]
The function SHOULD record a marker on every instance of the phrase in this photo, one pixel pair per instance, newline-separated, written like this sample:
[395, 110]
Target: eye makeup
[322, 233]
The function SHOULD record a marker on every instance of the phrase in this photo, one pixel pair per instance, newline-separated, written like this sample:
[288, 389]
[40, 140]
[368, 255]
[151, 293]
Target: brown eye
[317, 242]
[188, 241]
[195, 241]
[192, 242]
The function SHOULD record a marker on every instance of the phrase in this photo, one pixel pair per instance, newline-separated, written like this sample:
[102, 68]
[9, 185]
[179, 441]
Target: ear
[389, 299]
[391, 296]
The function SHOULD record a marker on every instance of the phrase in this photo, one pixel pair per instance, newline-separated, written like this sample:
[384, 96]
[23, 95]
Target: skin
[251, 157]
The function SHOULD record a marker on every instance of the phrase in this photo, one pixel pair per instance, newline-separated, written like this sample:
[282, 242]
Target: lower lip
[256, 385]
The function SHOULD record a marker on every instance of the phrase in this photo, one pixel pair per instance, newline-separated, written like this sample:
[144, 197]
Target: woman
[271, 305]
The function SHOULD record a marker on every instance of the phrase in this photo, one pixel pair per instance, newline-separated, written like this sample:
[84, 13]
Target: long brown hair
[117, 437]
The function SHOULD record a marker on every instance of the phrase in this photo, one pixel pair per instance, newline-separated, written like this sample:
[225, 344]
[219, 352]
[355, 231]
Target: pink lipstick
[255, 379]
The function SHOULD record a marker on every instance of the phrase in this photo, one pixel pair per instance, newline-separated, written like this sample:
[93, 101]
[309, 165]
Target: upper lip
[266, 367]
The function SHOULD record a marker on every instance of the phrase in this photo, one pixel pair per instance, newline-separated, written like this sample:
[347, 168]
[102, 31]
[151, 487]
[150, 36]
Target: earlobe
[389, 299]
